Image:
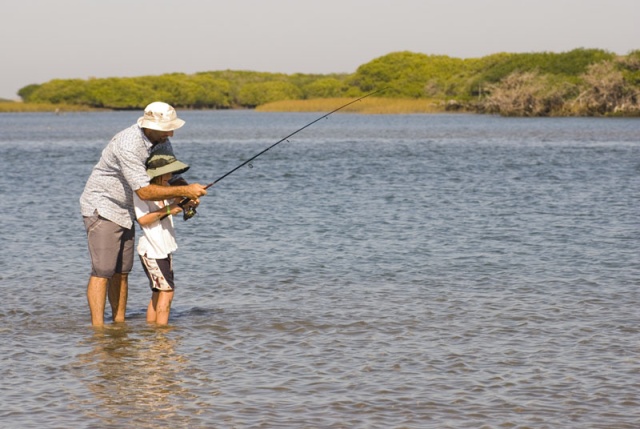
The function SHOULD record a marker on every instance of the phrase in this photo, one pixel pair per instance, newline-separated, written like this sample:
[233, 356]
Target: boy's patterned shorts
[159, 272]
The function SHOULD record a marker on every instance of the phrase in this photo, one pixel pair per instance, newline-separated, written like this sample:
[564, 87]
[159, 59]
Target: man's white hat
[161, 117]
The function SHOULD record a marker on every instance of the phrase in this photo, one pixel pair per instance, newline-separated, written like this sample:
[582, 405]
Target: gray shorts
[110, 246]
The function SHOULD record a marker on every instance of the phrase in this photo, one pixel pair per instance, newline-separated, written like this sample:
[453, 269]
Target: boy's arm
[155, 216]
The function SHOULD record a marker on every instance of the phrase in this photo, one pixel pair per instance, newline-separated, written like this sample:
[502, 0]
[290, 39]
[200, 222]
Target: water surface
[406, 271]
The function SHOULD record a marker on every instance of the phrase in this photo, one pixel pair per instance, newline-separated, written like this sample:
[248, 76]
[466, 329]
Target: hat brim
[167, 126]
[175, 167]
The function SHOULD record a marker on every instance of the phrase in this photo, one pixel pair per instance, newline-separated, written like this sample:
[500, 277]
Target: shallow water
[418, 271]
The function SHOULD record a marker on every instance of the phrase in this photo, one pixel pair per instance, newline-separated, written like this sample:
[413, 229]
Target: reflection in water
[133, 375]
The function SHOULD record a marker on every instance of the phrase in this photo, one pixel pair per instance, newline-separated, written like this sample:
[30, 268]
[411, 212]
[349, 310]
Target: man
[107, 205]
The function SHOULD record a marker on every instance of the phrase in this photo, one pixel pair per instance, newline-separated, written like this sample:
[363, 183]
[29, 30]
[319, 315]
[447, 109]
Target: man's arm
[157, 192]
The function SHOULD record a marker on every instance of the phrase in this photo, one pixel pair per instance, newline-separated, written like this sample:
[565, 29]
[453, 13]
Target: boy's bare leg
[151, 309]
[118, 294]
[163, 307]
[159, 307]
[96, 297]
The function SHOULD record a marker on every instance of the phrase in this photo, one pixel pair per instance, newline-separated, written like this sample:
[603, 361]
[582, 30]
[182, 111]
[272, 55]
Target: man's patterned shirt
[119, 172]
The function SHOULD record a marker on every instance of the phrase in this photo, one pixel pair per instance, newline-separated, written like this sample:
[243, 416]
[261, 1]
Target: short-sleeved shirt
[119, 172]
[159, 238]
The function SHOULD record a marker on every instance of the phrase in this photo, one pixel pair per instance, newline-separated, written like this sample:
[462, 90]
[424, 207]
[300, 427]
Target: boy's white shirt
[159, 238]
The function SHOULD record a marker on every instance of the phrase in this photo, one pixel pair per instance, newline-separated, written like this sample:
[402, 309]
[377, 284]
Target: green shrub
[255, 94]
[545, 83]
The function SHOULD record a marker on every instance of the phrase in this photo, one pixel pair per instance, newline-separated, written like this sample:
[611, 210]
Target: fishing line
[188, 213]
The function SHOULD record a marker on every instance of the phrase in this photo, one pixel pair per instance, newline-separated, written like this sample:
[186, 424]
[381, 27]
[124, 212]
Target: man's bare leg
[96, 297]
[118, 293]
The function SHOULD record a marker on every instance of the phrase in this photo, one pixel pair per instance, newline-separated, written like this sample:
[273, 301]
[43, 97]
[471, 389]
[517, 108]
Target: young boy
[158, 242]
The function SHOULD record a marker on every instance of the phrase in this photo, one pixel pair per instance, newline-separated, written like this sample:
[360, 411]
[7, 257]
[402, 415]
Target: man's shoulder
[132, 134]
[129, 141]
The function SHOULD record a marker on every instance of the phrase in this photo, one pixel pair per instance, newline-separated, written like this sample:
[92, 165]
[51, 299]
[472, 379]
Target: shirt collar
[146, 141]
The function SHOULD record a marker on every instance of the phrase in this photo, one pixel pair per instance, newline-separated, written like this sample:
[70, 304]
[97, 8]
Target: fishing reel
[187, 212]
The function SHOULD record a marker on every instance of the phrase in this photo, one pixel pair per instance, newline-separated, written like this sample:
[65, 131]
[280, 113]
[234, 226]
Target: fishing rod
[190, 212]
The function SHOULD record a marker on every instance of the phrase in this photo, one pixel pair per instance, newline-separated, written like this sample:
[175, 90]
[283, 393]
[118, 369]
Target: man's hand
[193, 191]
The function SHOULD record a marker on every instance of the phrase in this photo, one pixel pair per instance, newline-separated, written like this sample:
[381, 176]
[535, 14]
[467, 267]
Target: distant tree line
[579, 82]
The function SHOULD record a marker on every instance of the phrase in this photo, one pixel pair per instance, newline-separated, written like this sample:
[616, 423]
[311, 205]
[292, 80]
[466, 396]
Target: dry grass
[16, 106]
[368, 105]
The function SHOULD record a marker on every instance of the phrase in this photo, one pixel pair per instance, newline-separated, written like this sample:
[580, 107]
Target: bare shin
[96, 297]
[118, 294]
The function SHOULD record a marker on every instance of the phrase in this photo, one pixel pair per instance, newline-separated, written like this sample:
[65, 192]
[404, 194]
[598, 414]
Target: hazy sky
[48, 39]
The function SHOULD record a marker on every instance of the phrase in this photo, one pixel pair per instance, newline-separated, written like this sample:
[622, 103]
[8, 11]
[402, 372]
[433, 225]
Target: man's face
[156, 137]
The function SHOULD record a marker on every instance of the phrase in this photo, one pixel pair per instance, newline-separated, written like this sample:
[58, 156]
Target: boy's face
[163, 180]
